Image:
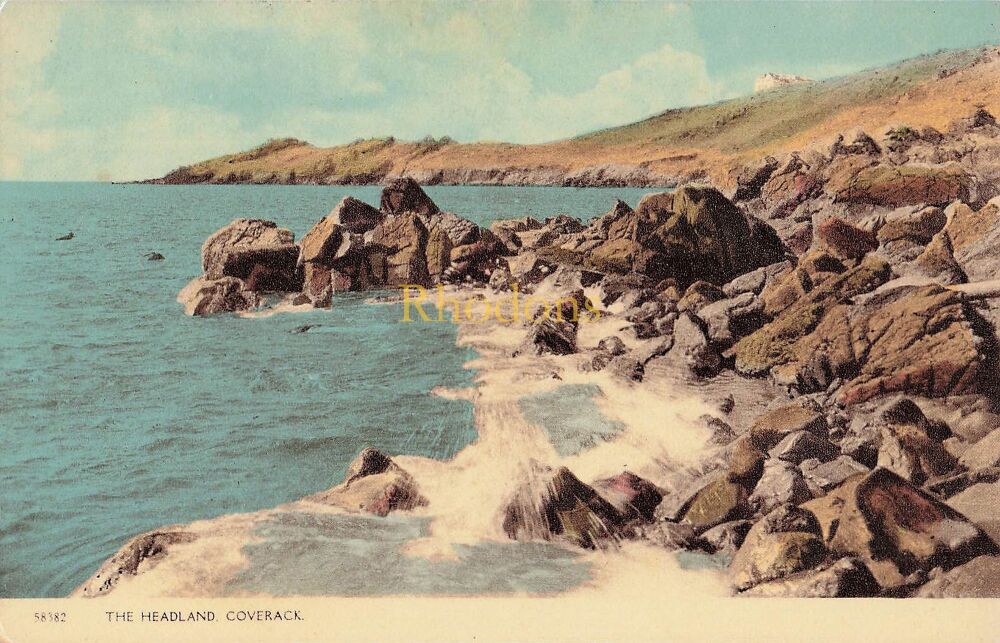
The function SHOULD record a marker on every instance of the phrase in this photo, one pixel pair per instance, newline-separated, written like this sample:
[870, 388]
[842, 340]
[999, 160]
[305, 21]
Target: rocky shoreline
[824, 341]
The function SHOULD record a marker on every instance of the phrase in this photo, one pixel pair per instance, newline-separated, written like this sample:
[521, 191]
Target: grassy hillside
[699, 141]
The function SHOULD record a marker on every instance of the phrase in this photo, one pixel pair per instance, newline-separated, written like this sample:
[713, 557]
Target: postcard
[512, 320]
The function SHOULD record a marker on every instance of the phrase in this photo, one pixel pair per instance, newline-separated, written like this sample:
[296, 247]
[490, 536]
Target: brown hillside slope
[705, 142]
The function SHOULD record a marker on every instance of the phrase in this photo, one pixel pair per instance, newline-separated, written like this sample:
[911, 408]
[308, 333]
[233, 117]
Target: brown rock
[846, 578]
[405, 195]
[633, 497]
[204, 297]
[397, 251]
[560, 506]
[845, 240]
[718, 502]
[355, 216]
[238, 248]
[899, 529]
[772, 427]
[374, 484]
[785, 541]
[896, 186]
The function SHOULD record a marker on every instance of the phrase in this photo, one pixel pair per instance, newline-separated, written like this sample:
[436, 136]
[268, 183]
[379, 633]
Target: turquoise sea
[120, 414]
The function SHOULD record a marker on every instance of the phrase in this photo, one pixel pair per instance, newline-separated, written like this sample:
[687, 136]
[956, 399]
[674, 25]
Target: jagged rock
[906, 450]
[916, 224]
[751, 180]
[827, 475]
[550, 336]
[895, 186]
[775, 343]
[560, 506]
[975, 579]
[633, 497]
[212, 296]
[756, 280]
[785, 541]
[374, 484]
[354, 216]
[617, 223]
[138, 554]
[248, 244]
[728, 537]
[154, 256]
[396, 251]
[522, 224]
[693, 347]
[673, 536]
[438, 253]
[613, 345]
[937, 261]
[845, 578]
[717, 502]
[782, 482]
[983, 454]
[694, 233]
[698, 295]
[405, 195]
[627, 367]
[745, 463]
[804, 445]
[322, 242]
[921, 340]
[729, 319]
[898, 529]
[527, 268]
[772, 427]
[845, 240]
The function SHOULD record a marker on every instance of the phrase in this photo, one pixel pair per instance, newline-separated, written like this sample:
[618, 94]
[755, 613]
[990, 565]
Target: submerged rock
[213, 296]
[374, 484]
[138, 554]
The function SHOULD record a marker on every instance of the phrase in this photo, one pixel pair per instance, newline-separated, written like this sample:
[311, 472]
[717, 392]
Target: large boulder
[557, 505]
[246, 245]
[396, 251]
[897, 528]
[775, 343]
[694, 233]
[354, 215]
[405, 195]
[899, 185]
[786, 540]
[374, 484]
[924, 340]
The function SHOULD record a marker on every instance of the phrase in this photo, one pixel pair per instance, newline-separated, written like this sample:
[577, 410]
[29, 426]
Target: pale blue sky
[129, 90]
